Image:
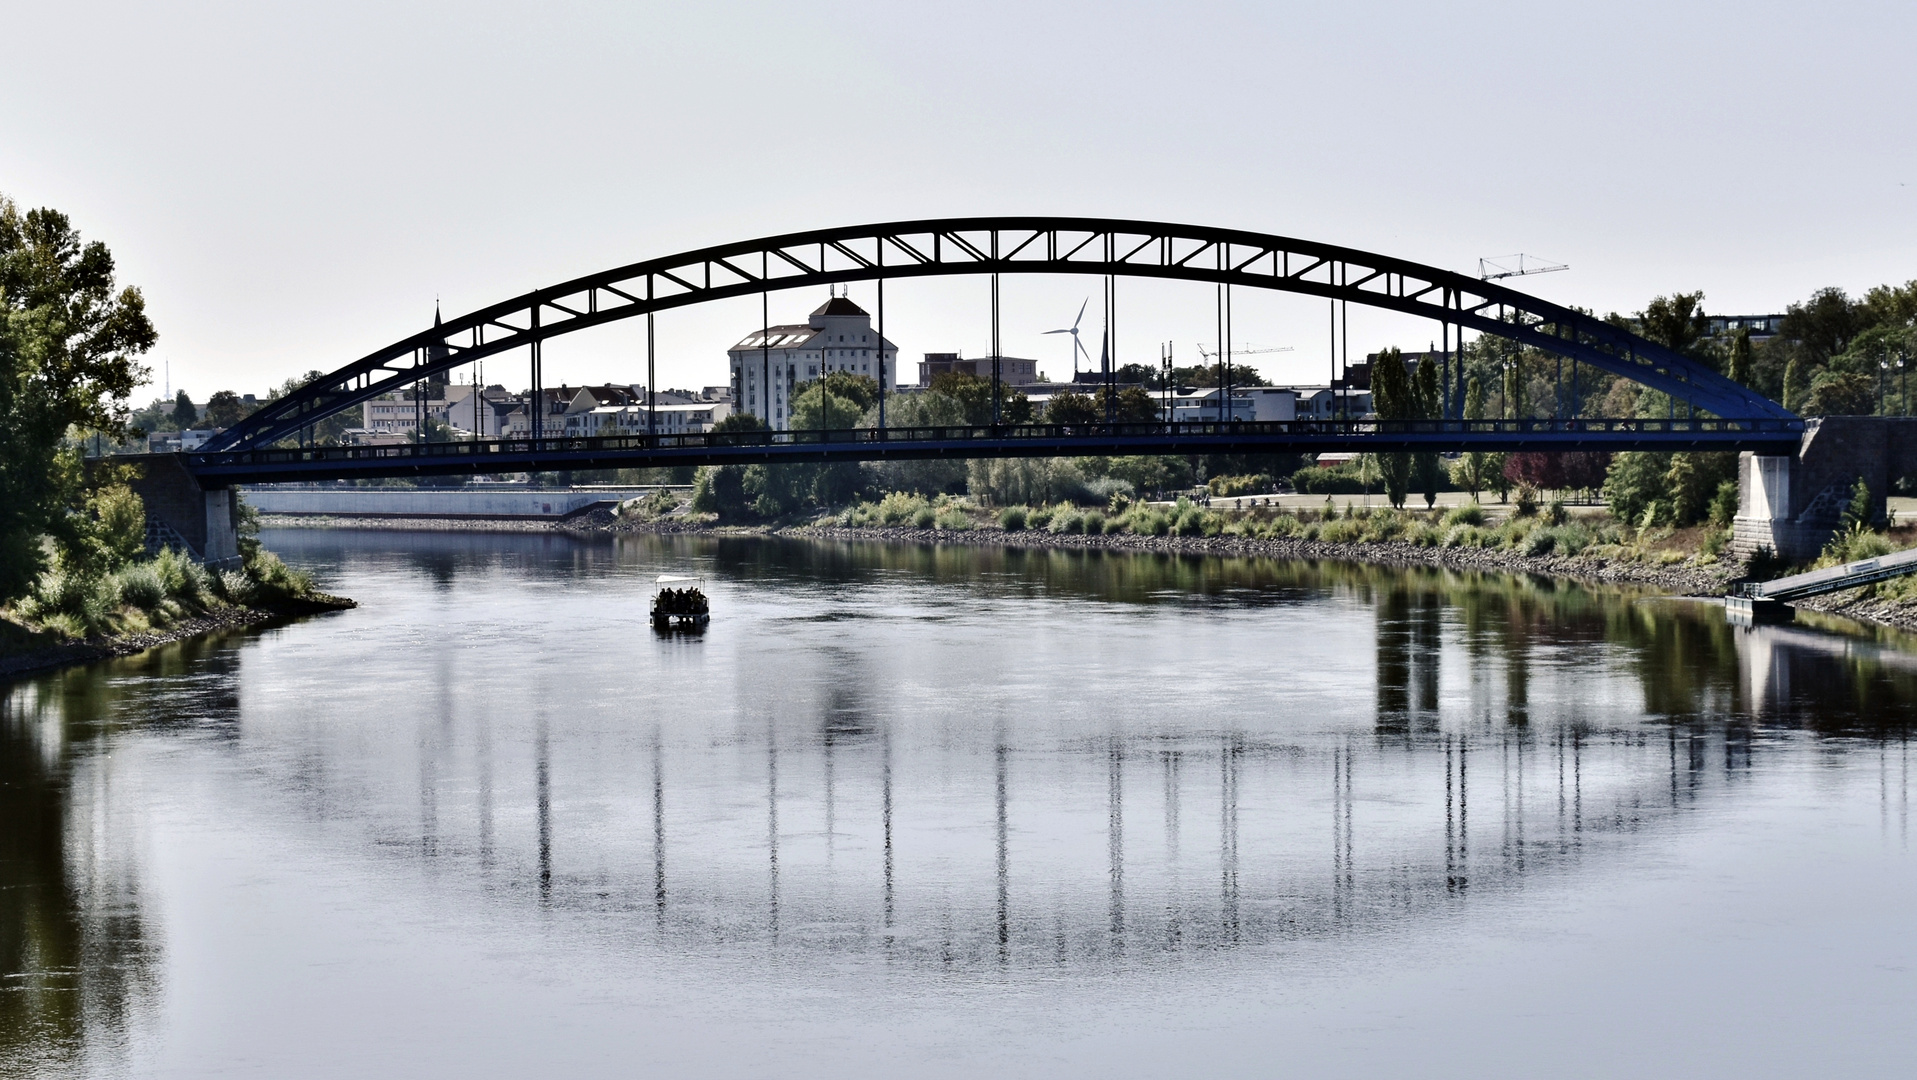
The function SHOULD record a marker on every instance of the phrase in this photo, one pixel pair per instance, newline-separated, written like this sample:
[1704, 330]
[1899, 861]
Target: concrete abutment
[1792, 504]
[181, 513]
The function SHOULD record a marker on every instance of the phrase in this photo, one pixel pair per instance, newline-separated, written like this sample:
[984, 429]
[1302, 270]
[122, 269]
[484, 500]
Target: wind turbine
[1077, 346]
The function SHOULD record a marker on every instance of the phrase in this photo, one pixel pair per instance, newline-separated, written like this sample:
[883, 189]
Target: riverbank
[24, 652]
[1709, 580]
[1683, 578]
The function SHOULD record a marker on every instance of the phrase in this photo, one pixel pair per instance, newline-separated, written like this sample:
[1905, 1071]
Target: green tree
[185, 415]
[1891, 305]
[69, 337]
[224, 409]
[1841, 393]
[1393, 398]
[1634, 487]
[974, 396]
[1071, 407]
[861, 390]
[720, 489]
[1427, 471]
[1145, 473]
[1214, 375]
[928, 476]
[1676, 322]
[1476, 468]
[1793, 387]
[1515, 407]
[1824, 324]
[1740, 371]
[817, 407]
[1691, 483]
[740, 421]
[1131, 404]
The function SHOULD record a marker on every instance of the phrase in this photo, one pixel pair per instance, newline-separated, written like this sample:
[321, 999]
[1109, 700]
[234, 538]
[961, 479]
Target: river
[959, 812]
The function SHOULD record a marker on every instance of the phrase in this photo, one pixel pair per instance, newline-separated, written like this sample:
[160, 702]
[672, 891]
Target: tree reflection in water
[78, 958]
[935, 758]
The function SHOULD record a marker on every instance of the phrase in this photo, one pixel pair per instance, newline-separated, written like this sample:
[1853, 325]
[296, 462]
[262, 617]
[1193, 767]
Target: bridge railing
[1357, 432]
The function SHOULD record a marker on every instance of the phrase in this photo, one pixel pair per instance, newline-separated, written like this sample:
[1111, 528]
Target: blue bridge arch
[1737, 417]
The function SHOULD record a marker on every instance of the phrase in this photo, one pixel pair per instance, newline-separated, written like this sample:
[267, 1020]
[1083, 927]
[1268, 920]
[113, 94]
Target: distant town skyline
[293, 188]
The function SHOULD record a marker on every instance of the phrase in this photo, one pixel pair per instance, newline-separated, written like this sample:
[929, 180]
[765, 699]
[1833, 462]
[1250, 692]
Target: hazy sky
[292, 186]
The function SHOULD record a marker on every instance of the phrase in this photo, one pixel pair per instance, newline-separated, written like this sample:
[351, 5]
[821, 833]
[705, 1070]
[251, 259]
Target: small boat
[679, 600]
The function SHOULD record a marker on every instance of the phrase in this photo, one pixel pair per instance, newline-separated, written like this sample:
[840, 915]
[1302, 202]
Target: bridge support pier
[181, 513]
[1792, 504]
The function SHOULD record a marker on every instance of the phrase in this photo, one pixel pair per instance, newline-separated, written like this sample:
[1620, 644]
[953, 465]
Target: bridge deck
[1000, 440]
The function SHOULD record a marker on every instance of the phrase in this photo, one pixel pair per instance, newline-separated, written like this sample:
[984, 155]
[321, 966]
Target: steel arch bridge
[1737, 418]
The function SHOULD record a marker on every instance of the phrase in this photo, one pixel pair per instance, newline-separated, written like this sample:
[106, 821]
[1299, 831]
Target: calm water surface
[950, 812]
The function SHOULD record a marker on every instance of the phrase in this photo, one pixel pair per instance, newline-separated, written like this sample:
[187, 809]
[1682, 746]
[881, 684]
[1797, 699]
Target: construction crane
[1519, 265]
[1212, 357]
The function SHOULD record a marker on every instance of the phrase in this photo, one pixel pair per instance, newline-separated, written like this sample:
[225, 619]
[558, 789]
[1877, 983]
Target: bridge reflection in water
[1093, 761]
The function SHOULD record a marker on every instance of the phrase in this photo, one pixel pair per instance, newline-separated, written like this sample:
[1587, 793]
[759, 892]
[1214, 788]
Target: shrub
[1093, 523]
[953, 519]
[1764, 564]
[1192, 520]
[183, 579]
[1379, 527]
[1067, 520]
[899, 508]
[1853, 545]
[142, 586]
[1283, 525]
[1572, 538]
[1539, 542]
[1527, 504]
[1318, 480]
[235, 586]
[924, 517]
[1464, 536]
[1239, 485]
[1341, 531]
[1469, 514]
[1724, 504]
[1426, 535]
[1152, 523]
[120, 524]
[1555, 514]
[1039, 517]
[272, 578]
[1012, 518]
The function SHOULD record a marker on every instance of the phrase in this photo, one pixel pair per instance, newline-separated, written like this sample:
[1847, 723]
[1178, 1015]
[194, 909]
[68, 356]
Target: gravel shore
[1677, 578]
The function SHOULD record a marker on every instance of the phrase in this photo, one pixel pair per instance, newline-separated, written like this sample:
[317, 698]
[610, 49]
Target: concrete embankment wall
[406, 502]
